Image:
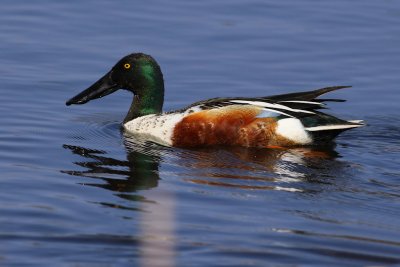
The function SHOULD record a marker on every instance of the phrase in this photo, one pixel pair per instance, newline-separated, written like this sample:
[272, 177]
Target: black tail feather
[329, 100]
[306, 96]
[325, 136]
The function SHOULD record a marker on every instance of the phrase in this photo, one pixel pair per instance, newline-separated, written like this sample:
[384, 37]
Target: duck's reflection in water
[138, 172]
[214, 166]
[259, 168]
[243, 168]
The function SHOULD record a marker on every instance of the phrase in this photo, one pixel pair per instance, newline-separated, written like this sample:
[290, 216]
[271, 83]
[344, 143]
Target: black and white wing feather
[296, 105]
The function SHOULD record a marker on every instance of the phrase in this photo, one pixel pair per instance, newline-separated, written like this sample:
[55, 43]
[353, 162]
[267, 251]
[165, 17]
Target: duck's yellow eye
[127, 66]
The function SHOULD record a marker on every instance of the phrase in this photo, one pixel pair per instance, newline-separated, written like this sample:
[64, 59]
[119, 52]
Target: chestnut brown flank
[231, 125]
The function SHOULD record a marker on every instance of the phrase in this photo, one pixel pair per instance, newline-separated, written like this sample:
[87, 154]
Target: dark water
[75, 191]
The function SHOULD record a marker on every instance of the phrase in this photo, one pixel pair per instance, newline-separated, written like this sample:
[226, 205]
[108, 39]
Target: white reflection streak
[158, 229]
[290, 175]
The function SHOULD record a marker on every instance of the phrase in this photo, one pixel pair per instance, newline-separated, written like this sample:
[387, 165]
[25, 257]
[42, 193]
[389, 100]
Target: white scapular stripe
[303, 102]
[270, 105]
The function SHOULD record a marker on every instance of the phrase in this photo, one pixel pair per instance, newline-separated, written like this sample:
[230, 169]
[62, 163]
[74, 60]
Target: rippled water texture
[75, 190]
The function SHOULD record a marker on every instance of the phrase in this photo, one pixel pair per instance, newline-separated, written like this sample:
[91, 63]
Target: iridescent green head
[138, 73]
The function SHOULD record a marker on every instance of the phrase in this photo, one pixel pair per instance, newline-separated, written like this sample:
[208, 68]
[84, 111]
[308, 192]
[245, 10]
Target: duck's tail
[330, 131]
[349, 125]
[309, 95]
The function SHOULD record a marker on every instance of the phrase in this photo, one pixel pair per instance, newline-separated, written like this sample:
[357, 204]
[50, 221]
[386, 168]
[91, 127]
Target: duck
[284, 120]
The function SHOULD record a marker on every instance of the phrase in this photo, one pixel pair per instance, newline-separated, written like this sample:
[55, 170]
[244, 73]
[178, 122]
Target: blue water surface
[75, 190]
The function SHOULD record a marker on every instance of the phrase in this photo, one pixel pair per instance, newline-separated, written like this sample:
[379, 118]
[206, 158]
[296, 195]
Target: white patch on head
[293, 130]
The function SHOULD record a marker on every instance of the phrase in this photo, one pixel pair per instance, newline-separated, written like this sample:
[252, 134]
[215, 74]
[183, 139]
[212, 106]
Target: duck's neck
[149, 101]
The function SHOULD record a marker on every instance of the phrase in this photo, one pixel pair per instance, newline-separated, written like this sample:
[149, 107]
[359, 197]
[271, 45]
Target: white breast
[157, 127]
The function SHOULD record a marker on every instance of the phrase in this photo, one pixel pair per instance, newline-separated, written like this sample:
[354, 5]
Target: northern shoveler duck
[272, 121]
